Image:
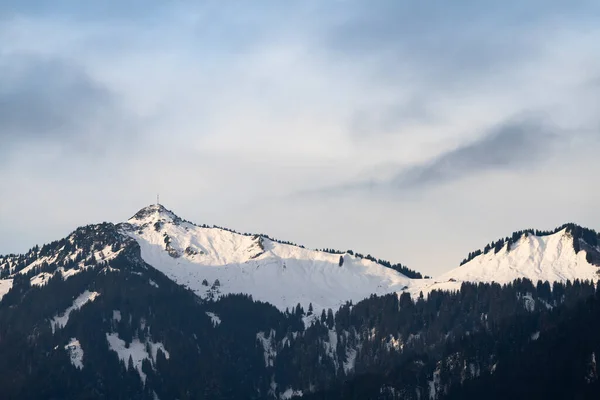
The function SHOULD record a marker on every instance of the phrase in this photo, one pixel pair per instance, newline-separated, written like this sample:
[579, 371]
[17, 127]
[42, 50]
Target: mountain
[120, 311]
[567, 253]
[213, 262]
[551, 257]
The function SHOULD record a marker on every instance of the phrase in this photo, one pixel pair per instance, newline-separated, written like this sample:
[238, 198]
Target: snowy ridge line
[100, 242]
[214, 262]
[146, 212]
[579, 233]
[549, 258]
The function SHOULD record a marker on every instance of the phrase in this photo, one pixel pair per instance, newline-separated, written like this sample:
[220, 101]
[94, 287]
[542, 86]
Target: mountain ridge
[107, 312]
[148, 210]
[579, 232]
[213, 261]
[565, 254]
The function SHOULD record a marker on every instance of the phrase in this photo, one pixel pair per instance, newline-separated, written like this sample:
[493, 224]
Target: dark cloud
[49, 99]
[509, 146]
[512, 145]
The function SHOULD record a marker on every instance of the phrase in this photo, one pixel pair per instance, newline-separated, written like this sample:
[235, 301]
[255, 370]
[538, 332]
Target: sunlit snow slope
[547, 258]
[281, 274]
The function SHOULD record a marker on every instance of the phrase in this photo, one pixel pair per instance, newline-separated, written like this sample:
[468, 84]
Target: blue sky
[415, 131]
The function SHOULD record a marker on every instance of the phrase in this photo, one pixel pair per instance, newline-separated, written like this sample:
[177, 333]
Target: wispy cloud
[227, 108]
[509, 146]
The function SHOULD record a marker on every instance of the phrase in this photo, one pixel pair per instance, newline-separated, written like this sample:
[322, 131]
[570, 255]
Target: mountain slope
[87, 317]
[559, 256]
[214, 262]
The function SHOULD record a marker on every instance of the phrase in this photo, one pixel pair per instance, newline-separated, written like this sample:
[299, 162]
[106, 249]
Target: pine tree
[130, 366]
[330, 319]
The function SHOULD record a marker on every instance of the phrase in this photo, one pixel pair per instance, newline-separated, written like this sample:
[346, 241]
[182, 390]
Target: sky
[416, 131]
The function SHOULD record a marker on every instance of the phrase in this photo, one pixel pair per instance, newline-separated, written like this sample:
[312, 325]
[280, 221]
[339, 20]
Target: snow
[289, 393]
[428, 285]
[61, 320]
[350, 360]
[268, 344]
[528, 302]
[37, 263]
[40, 279]
[546, 304]
[434, 385]
[535, 335]
[548, 258]
[5, 286]
[70, 272]
[117, 315]
[216, 321]
[330, 346]
[106, 254]
[136, 350]
[108, 268]
[309, 320]
[280, 274]
[285, 275]
[75, 353]
[592, 373]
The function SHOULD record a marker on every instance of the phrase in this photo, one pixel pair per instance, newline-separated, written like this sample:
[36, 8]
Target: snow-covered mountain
[81, 250]
[214, 261]
[285, 275]
[109, 301]
[569, 253]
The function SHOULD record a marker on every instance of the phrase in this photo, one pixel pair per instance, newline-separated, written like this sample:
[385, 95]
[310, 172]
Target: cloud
[46, 97]
[510, 146]
[514, 144]
[230, 109]
[391, 118]
[47, 100]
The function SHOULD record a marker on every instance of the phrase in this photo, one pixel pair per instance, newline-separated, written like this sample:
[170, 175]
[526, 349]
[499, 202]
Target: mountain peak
[568, 252]
[154, 212]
